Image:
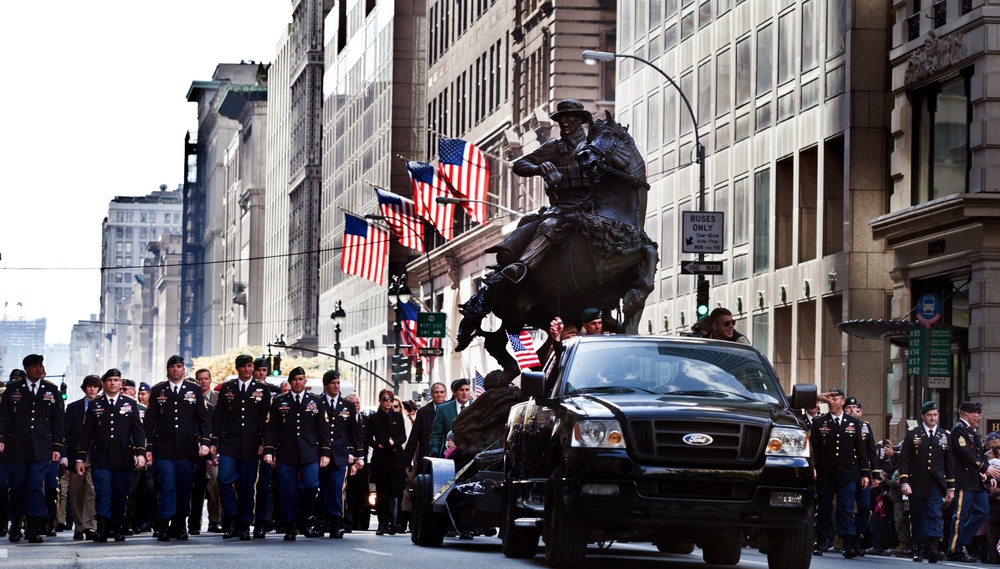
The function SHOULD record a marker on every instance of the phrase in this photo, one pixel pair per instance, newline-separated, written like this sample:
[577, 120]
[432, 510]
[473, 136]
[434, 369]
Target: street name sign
[702, 232]
[430, 324]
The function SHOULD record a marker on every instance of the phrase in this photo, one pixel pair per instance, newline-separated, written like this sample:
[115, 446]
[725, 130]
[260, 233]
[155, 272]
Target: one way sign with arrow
[701, 267]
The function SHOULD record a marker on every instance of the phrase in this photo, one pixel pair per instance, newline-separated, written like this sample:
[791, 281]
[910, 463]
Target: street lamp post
[591, 57]
[338, 316]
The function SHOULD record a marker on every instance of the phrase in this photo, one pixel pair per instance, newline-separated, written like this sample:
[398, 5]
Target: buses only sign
[702, 232]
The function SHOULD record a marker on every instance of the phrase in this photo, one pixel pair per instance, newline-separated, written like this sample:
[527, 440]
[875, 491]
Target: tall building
[789, 100]
[204, 214]
[84, 354]
[162, 304]
[131, 224]
[19, 336]
[372, 114]
[942, 209]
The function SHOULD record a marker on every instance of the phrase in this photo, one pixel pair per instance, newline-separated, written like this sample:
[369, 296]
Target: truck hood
[674, 407]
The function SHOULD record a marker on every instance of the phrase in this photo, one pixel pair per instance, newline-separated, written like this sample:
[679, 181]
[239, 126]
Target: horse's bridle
[602, 161]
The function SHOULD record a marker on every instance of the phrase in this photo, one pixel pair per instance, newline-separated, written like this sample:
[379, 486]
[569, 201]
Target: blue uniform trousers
[110, 491]
[174, 478]
[971, 510]
[262, 508]
[863, 500]
[297, 485]
[925, 515]
[331, 485]
[237, 479]
[27, 488]
[845, 508]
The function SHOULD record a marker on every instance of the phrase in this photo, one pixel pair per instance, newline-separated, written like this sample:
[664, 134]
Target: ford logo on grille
[697, 439]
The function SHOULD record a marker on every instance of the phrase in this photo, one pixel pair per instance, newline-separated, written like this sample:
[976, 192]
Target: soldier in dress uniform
[114, 440]
[238, 432]
[841, 465]
[140, 509]
[264, 507]
[357, 488]
[925, 475]
[32, 423]
[972, 473]
[863, 496]
[345, 440]
[297, 439]
[178, 432]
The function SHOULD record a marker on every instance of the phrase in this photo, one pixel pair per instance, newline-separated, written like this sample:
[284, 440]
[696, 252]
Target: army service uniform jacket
[840, 452]
[297, 433]
[112, 435]
[345, 433]
[239, 419]
[925, 460]
[177, 424]
[32, 427]
[967, 458]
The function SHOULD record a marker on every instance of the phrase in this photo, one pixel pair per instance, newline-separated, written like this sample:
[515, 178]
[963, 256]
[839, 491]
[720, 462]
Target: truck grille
[660, 440]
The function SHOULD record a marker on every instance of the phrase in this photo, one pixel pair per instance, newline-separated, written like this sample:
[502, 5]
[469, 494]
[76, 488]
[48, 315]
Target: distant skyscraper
[19, 337]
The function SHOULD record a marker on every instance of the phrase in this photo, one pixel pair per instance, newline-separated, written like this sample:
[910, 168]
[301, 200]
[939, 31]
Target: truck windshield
[692, 370]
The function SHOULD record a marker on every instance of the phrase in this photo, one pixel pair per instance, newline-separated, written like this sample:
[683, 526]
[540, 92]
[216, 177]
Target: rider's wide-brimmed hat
[571, 107]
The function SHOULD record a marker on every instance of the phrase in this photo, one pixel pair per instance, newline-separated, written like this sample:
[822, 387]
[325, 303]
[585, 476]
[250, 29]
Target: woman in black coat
[385, 435]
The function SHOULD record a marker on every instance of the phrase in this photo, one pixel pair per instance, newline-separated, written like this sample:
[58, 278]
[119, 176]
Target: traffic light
[420, 370]
[702, 298]
[276, 366]
[62, 389]
[400, 368]
[267, 359]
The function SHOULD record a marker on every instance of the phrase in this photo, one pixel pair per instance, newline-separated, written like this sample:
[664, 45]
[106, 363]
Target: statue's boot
[516, 271]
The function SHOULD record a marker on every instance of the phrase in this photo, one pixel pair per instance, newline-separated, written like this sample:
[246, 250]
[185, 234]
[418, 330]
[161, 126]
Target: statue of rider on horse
[587, 249]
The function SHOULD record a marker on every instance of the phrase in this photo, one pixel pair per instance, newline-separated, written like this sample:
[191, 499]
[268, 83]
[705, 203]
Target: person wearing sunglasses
[386, 436]
[724, 327]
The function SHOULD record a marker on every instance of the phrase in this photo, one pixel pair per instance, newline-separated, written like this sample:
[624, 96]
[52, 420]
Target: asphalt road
[359, 550]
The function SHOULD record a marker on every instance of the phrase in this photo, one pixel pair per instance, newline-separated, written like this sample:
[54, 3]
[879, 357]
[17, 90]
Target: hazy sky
[94, 106]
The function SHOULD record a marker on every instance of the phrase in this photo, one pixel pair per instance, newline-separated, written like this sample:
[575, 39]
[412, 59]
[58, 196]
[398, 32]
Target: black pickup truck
[673, 441]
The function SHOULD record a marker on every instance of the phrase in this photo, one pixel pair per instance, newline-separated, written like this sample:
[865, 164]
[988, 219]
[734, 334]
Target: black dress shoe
[290, 536]
[244, 532]
[215, 527]
[259, 532]
[78, 536]
[194, 531]
[961, 555]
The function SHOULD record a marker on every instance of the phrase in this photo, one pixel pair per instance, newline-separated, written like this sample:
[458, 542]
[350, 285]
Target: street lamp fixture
[338, 316]
[444, 200]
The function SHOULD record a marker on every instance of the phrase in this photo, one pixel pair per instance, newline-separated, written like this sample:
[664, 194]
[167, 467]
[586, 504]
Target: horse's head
[610, 149]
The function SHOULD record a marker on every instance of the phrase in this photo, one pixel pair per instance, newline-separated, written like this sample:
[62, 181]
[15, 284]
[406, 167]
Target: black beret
[329, 376]
[243, 359]
[90, 381]
[259, 363]
[589, 315]
[31, 359]
[852, 401]
[174, 360]
[970, 407]
[111, 373]
[296, 371]
[458, 383]
[928, 406]
[128, 382]
[16, 374]
[837, 391]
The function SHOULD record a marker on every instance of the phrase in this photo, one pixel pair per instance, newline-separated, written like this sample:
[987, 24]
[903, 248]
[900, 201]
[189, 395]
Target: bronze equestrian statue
[588, 249]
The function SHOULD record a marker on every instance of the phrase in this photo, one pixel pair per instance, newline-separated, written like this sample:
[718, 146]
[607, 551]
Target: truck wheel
[428, 527]
[518, 542]
[678, 547]
[565, 537]
[790, 549]
[723, 553]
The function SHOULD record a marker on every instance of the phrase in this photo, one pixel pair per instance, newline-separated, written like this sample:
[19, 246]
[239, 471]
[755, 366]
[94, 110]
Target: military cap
[329, 376]
[970, 407]
[928, 406]
[143, 386]
[128, 382]
[174, 360]
[243, 359]
[589, 315]
[259, 363]
[16, 374]
[992, 436]
[852, 401]
[111, 373]
[31, 359]
[458, 383]
[837, 391]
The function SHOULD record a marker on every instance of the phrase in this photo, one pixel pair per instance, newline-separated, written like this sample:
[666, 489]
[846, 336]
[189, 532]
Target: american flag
[524, 350]
[480, 383]
[409, 333]
[466, 167]
[427, 185]
[400, 215]
[365, 251]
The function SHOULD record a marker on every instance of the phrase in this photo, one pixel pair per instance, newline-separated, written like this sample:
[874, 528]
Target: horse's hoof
[515, 272]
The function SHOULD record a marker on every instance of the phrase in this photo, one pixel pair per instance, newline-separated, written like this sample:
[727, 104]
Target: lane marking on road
[372, 551]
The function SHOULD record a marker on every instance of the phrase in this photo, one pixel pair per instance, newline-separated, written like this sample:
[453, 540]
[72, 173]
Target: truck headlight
[787, 441]
[598, 434]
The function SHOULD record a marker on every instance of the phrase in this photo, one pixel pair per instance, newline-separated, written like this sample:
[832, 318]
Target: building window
[723, 71]
[177, 218]
[166, 218]
[142, 217]
[120, 232]
[143, 233]
[704, 93]
[120, 216]
[118, 277]
[809, 36]
[740, 215]
[128, 233]
[128, 217]
[705, 13]
[836, 27]
[762, 221]
[128, 247]
[764, 69]
[786, 48]
[761, 326]
[942, 114]
[118, 246]
[118, 261]
[742, 72]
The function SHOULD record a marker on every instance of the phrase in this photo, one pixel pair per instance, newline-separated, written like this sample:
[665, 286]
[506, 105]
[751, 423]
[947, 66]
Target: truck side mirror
[803, 396]
[533, 384]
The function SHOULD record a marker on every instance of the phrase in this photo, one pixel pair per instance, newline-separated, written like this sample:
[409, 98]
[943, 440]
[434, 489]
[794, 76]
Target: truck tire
[723, 553]
[428, 527]
[565, 537]
[790, 549]
[518, 542]
[678, 547]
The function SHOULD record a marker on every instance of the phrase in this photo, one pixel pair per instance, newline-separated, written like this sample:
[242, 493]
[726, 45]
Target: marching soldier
[178, 431]
[114, 440]
[345, 440]
[264, 508]
[972, 505]
[863, 496]
[297, 439]
[32, 422]
[841, 462]
[925, 475]
[238, 428]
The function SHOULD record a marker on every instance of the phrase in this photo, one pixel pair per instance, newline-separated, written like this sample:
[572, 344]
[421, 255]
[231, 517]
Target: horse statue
[605, 261]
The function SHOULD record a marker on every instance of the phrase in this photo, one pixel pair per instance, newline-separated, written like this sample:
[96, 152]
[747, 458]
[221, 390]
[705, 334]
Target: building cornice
[942, 214]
